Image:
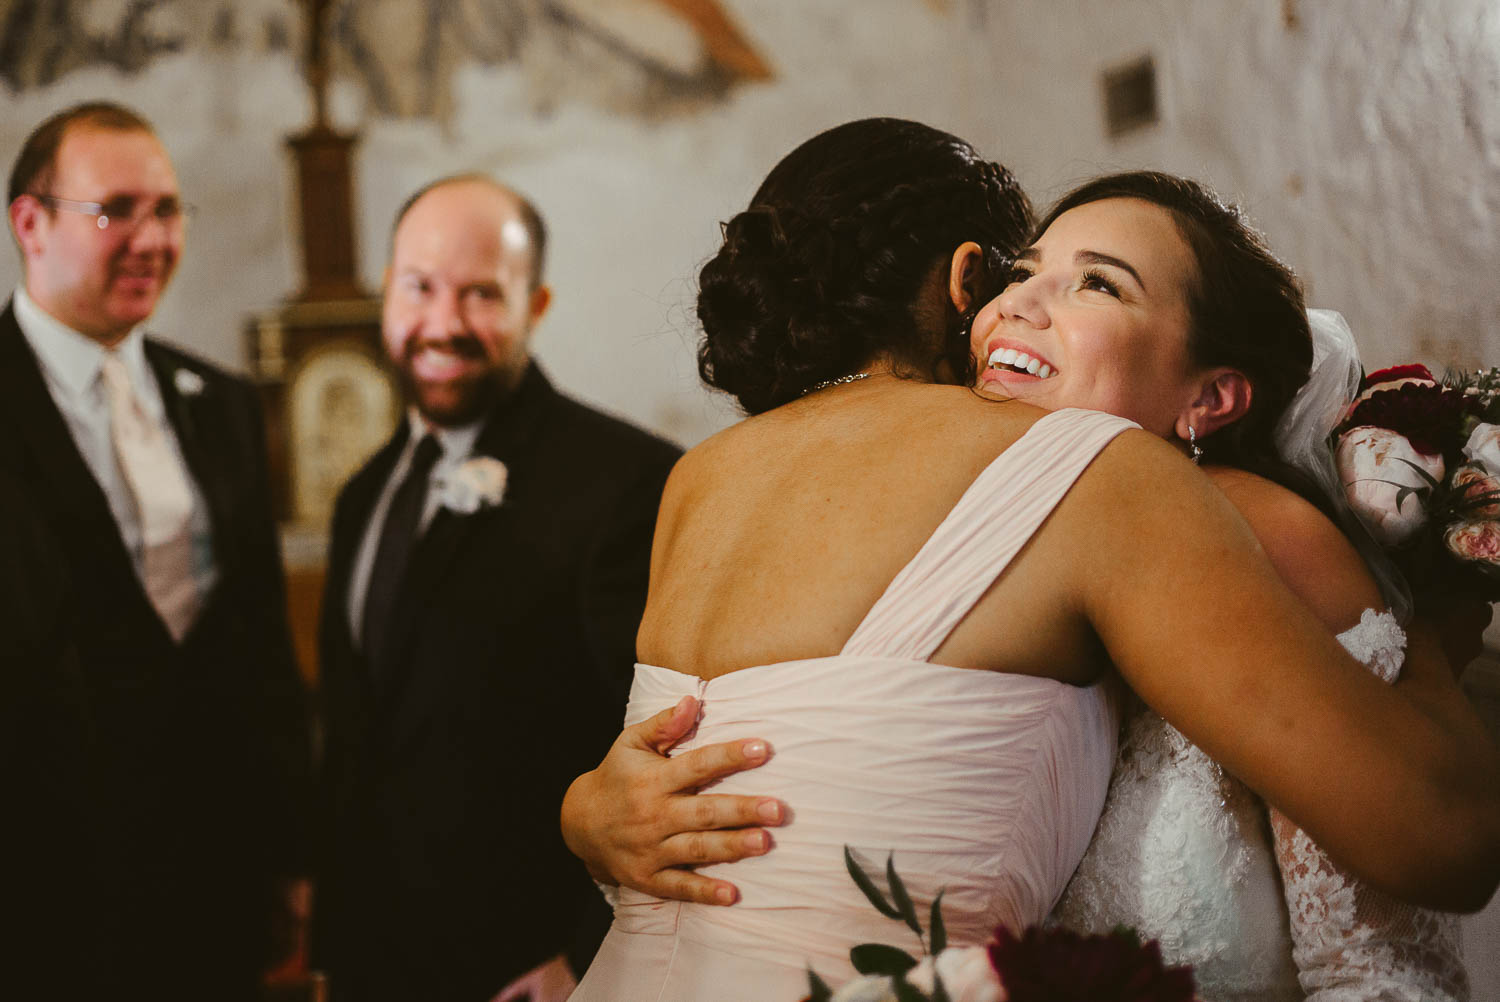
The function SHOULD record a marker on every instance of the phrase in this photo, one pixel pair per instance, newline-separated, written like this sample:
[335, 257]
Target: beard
[451, 404]
[465, 399]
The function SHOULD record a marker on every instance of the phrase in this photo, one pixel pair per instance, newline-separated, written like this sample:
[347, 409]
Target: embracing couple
[958, 542]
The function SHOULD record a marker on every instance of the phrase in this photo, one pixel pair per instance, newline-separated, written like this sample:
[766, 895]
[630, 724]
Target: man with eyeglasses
[156, 787]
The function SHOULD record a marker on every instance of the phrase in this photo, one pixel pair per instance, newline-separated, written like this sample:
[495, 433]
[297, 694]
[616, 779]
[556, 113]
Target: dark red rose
[1056, 965]
[1395, 372]
[1431, 417]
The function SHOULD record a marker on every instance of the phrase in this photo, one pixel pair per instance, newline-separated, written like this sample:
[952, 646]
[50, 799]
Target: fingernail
[754, 749]
[755, 841]
[769, 811]
[724, 895]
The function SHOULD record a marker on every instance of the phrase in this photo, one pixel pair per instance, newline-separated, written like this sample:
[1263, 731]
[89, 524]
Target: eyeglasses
[126, 213]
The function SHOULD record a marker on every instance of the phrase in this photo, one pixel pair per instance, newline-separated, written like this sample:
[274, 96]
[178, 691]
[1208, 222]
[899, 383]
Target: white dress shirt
[70, 364]
[458, 445]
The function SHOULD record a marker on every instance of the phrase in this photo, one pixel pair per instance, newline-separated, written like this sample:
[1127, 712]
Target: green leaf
[877, 958]
[1403, 492]
[906, 991]
[903, 900]
[939, 932]
[939, 990]
[818, 990]
[865, 884]
[1431, 480]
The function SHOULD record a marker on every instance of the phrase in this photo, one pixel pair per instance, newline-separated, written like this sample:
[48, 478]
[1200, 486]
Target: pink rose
[1371, 468]
[1472, 482]
[1484, 446]
[1476, 541]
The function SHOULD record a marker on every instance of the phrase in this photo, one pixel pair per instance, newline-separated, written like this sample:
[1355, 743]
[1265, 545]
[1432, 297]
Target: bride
[777, 535]
[1182, 853]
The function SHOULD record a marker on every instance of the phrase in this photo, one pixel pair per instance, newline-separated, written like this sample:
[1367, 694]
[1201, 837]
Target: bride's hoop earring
[1195, 451]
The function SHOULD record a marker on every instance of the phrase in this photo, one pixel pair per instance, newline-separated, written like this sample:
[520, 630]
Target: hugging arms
[1140, 296]
[1109, 338]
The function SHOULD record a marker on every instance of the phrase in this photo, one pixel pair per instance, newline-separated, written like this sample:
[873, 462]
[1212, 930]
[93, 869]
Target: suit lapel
[67, 485]
[506, 434]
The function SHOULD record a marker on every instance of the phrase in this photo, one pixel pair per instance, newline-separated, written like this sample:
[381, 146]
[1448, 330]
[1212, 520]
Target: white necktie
[163, 500]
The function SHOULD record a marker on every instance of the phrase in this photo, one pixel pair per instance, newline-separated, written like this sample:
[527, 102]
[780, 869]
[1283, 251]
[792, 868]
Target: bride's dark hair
[825, 269]
[1245, 307]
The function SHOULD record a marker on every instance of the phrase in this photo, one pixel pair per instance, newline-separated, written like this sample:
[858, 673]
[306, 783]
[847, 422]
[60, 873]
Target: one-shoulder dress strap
[998, 513]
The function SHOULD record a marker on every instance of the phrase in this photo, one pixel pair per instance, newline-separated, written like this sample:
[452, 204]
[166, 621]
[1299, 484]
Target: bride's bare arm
[1399, 787]
[637, 819]
[1322, 568]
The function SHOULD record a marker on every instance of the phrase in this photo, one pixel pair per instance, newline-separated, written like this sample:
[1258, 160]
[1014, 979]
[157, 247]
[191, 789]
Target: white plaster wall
[1364, 137]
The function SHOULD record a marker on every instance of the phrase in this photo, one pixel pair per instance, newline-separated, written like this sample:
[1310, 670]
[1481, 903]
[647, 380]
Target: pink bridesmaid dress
[982, 783]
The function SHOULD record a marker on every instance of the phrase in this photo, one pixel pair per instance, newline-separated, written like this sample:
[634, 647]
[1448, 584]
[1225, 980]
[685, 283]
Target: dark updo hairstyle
[823, 272]
[1245, 311]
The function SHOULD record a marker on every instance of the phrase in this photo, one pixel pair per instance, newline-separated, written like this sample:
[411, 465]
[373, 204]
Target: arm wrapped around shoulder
[1395, 782]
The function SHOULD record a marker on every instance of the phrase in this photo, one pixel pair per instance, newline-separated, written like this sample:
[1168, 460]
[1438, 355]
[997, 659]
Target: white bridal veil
[1302, 441]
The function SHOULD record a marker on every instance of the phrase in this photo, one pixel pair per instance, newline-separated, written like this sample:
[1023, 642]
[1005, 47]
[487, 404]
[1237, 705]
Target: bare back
[778, 535]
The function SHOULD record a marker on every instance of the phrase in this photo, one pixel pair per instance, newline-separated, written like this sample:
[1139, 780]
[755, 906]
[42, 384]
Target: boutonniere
[477, 483]
[188, 382]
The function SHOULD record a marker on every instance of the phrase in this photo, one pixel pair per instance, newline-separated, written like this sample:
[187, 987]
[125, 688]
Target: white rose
[1371, 469]
[968, 975]
[866, 989]
[477, 483]
[1484, 446]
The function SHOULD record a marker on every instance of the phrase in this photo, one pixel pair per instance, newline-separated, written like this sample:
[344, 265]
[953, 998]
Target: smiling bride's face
[1096, 316]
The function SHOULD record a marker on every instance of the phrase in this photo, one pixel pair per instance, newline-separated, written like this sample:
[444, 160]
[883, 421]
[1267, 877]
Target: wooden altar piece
[328, 394]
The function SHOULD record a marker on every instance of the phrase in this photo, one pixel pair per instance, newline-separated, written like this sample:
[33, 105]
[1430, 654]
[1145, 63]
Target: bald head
[475, 183]
[462, 297]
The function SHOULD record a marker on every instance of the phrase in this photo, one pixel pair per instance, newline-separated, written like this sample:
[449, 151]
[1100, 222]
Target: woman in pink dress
[950, 704]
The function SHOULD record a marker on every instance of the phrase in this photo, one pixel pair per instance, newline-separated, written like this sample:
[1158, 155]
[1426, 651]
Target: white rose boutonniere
[477, 483]
[188, 382]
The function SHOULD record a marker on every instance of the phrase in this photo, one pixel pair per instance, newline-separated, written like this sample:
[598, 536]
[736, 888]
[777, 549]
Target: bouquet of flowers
[1040, 965]
[1419, 459]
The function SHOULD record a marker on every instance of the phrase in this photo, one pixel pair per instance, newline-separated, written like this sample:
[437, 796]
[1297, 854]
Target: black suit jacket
[443, 873]
[173, 783]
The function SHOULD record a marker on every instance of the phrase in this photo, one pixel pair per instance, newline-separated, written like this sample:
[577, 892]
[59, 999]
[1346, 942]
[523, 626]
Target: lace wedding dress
[1186, 855]
[982, 784]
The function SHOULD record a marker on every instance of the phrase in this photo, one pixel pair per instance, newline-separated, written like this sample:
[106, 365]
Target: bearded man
[487, 574]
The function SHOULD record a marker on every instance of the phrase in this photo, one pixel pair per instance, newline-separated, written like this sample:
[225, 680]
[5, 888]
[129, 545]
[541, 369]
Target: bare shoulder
[1312, 555]
[697, 463]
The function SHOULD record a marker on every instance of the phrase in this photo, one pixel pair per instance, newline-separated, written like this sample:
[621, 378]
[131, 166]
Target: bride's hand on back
[637, 819]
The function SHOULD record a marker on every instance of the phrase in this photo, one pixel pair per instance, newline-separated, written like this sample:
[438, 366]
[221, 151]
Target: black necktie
[397, 537]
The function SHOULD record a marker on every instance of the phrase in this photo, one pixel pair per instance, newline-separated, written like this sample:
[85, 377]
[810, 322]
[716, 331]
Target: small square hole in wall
[1130, 97]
